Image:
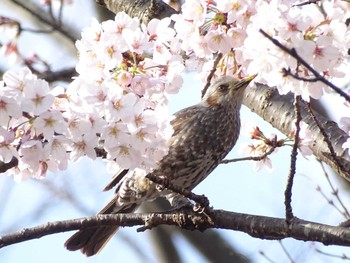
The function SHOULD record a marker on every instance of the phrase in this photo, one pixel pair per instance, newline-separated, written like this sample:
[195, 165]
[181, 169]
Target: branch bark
[256, 226]
[145, 10]
[210, 243]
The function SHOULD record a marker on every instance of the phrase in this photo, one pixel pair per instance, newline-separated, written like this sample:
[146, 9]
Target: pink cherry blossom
[9, 108]
[7, 149]
[36, 97]
[83, 146]
[136, 40]
[218, 41]
[194, 10]
[48, 123]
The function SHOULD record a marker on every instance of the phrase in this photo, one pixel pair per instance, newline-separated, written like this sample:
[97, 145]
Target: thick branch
[66, 75]
[145, 10]
[278, 110]
[6, 166]
[256, 226]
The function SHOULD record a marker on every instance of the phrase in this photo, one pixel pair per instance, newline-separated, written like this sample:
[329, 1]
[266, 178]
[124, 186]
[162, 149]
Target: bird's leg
[179, 202]
[164, 183]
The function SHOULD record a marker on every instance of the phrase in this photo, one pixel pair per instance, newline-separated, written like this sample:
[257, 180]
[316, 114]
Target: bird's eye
[223, 87]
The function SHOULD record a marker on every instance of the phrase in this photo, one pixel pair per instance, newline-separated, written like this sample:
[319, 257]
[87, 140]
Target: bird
[203, 134]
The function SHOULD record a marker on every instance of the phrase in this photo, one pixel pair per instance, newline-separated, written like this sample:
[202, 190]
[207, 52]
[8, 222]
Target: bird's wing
[181, 119]
[116, 179]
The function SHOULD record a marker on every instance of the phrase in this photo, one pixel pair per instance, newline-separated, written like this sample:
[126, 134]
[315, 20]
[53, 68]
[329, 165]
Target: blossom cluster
[126, 71]
[31, 126]
[231, 27]
[118, 103]
[262, 146]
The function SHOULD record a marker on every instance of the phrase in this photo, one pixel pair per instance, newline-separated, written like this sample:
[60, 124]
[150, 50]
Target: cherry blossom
[83, 146]
[49, 123]
[9, 108]
[194, 10]
[16, 82]
[36, 99]
[10, 50]
[160, 31]
[119, 101]
[7, 150]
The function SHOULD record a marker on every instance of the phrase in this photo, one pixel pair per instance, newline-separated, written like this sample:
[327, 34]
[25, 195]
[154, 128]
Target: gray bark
[145, 10]
[278, 110]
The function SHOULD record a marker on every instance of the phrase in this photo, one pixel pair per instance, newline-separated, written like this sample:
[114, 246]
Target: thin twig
[294, 54]
[335, 192]
[60, 13]
[53, 19]
[251, 158]
[307, 3]
[292, 170]
[343, 256]
[37, 31]
[329, 201]
[262, 253]
[288, 72]
[286, 251]
[326, 139]
[46, 21]
[211, 73]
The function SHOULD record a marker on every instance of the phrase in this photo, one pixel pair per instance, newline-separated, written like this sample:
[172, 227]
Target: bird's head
[226, 90]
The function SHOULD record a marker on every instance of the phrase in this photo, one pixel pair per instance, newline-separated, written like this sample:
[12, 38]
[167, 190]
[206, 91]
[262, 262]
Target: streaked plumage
[203, 135]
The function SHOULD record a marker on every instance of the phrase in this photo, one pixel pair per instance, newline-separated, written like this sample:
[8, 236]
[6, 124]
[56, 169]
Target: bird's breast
[200, 146]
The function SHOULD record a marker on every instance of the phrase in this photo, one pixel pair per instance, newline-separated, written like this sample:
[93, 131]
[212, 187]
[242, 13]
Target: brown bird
[203, 135]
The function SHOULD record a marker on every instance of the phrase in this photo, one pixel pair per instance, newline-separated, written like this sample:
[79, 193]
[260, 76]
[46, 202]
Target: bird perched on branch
[203, 135]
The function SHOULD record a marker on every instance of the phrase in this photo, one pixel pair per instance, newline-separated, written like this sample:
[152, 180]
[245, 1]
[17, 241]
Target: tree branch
[211, 73]
[255, 226]
[278, 110]
[6, 166]
[46, 19]
[293, 162]
[65, 74]
[294, 54]
[145, 10]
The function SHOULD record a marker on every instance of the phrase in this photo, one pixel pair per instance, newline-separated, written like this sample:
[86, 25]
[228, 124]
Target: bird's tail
[91, 240]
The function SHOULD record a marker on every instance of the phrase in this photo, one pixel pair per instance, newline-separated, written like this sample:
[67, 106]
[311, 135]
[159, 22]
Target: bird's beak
[243, 83]
[249, 78]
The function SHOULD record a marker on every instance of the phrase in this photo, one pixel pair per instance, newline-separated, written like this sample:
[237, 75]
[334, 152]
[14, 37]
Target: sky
[233, 187]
